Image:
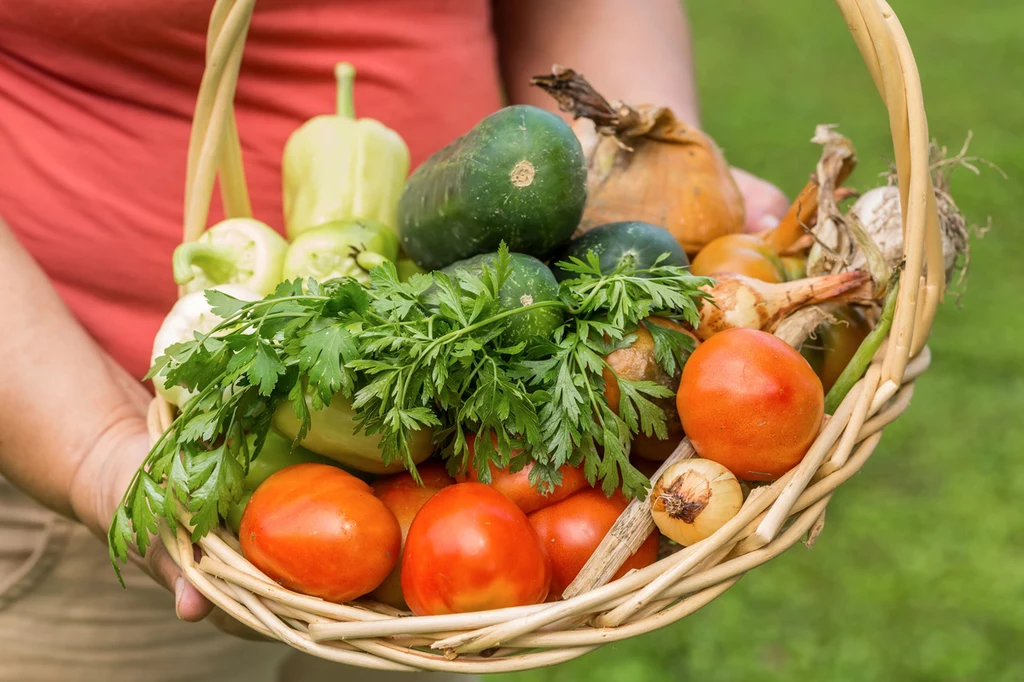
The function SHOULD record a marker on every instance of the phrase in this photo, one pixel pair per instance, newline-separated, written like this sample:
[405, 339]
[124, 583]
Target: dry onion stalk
[644, 164]
[741, 301]
[693, 499]
[870, 234]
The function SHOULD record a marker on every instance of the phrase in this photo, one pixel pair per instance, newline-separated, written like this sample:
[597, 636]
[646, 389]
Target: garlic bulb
[693, 499]
[878, 211]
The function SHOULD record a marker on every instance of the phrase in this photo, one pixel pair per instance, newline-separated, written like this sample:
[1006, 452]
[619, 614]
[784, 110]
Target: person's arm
[638, 52]
[72, 421]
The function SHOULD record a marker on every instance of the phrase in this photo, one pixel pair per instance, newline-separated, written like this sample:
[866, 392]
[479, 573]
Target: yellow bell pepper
[338, 167]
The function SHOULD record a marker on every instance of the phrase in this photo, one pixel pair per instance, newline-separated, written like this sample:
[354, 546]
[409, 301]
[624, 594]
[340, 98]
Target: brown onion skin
[676, 177]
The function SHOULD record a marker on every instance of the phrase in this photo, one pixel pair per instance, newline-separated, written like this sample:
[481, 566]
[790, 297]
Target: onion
[693, 499]
[748, 303]
[644, 164]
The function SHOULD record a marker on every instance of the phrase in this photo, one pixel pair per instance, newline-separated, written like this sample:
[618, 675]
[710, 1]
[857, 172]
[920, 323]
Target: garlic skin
[878, 211]
[693, 499]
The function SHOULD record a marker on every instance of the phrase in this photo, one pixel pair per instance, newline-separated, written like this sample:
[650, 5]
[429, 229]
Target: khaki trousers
[64, 618]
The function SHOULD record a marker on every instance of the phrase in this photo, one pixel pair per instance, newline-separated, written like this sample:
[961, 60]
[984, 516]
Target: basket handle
[883, 45]
[214, 142]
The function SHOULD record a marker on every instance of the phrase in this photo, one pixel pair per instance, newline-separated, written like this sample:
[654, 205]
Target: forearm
[61, 396]
[637, 52]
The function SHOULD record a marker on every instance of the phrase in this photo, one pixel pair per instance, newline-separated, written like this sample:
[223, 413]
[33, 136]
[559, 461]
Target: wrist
[106, 469]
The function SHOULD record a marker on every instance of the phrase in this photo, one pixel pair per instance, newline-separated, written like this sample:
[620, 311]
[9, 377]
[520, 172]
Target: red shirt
[96, 101]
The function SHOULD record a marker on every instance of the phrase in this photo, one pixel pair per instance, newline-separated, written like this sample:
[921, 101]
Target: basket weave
[772, 519]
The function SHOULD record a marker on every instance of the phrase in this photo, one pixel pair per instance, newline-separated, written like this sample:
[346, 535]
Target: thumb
[764, 203]
[189, 603]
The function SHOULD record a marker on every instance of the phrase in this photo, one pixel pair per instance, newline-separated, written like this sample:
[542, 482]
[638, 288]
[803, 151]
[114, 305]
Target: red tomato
[404, 498]
[471, 549]
[517, 487]
[318, 530]
[750, 402]
[572, 529]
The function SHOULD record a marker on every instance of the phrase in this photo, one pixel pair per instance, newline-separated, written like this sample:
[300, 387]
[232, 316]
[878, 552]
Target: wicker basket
[772, 519]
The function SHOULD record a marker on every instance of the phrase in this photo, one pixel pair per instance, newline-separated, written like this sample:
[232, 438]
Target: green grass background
[919, 574]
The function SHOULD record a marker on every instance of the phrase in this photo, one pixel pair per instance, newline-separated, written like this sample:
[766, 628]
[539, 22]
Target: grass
[919, 573]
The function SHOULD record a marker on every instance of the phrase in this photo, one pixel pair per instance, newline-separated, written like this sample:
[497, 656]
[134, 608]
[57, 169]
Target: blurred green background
[919, 574]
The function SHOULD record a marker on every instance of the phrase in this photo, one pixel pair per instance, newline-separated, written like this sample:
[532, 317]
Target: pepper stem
[368, 260]
[345, 74]
[217, 262]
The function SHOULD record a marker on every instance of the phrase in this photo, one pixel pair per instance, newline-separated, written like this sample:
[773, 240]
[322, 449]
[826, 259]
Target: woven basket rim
[773, 518]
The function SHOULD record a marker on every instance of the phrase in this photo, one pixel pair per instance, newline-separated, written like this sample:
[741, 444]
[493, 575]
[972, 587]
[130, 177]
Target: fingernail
[179, 590]
[768, 221]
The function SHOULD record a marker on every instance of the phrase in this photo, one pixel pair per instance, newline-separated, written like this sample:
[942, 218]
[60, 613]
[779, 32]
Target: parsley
[421, 354]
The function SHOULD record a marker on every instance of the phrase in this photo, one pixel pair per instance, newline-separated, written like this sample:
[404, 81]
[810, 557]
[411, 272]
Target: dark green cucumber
[635, 243]
[529, 281]
[519, 176]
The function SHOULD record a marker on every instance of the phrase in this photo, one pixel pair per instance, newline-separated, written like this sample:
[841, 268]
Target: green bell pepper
[333, 434]
[344, 248]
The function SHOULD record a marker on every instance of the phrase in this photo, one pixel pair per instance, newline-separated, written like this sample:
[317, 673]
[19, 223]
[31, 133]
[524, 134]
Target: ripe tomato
[318, 530]
[743, 254]
[471, 549]
[517, 487]
[572, 529]
[750, 402]
[401, 494]
[637, 363]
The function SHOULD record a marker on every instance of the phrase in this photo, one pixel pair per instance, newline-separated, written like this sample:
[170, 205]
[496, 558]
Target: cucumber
[630, 242]
[519, 176]
[529, 281]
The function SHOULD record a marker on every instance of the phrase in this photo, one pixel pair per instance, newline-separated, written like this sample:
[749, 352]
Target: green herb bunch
[421, 354]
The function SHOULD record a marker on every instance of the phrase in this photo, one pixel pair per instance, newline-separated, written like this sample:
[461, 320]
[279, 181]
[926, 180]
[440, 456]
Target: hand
[765, 203]
[99, 484]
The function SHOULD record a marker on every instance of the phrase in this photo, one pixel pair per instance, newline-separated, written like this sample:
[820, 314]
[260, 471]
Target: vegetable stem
[862, 358]
[345, 74]
[217, 262]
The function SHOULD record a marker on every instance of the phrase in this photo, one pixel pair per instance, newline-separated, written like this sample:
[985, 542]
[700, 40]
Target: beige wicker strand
[365, 634]
[909, 141]
[216, 54]
[234, 191]
[216, 92]
[625, 536]
[841, 453]
[834, 429]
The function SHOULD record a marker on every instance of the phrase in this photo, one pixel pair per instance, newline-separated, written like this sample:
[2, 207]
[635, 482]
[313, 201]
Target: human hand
[765, 203]
[100, 483]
